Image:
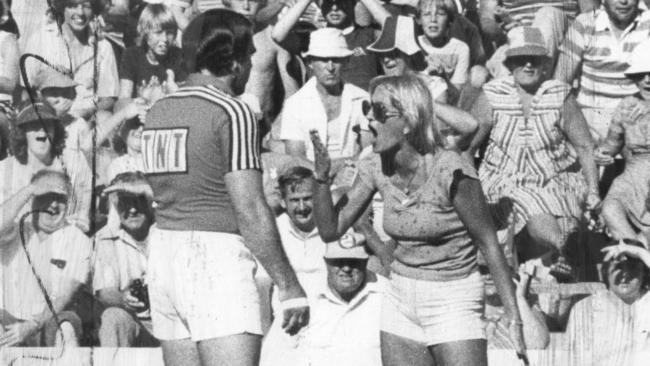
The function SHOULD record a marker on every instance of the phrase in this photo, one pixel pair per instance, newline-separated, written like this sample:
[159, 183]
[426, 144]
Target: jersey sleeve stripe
[244, 149]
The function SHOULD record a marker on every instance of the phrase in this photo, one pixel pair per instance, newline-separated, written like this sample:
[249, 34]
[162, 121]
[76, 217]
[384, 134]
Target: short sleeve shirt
[432, 241]
[136, 67]
[603, 57]
[454, 57]
[63, 256]
[119, 259]
[635, 134]
[304, 111]
[49, 44]
[192, 139]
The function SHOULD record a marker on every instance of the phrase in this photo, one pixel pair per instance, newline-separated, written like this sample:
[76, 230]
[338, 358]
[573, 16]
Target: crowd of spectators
[329, 182]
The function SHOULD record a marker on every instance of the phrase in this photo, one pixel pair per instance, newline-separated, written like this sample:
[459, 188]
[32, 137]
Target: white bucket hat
[327, 42]
[639, 59]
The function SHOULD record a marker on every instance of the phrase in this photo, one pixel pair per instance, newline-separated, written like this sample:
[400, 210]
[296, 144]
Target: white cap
[350, 246]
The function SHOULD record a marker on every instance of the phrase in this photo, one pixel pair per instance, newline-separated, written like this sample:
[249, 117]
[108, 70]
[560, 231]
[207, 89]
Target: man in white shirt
[57, 266]
[326, 103]
[344, 323]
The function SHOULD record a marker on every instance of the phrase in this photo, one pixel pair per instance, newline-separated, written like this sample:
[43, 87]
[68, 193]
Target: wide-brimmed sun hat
[327, 42]
[526, 41]
[398, 33]
[639, 59]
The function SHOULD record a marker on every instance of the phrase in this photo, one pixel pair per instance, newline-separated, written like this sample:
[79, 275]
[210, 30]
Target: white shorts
[201, 285]
[434, 312]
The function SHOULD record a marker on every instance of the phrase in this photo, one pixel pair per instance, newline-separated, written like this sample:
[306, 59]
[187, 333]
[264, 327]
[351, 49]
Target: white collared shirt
[305, 255]
[344, 334]
[339, 333]
[63, 256]
[305, 111]
[119, 259]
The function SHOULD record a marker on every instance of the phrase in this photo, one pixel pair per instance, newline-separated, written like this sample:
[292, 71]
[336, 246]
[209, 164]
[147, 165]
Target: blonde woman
[437, 215]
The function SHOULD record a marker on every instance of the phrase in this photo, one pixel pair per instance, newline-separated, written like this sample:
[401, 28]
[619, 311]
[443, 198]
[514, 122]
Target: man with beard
[53, 262]
[120, 265]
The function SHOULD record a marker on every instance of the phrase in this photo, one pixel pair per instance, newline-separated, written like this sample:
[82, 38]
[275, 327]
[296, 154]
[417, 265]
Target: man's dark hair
[292, 177]
[215, 39]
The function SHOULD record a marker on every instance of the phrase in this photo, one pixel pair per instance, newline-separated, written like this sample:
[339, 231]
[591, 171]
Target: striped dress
[529, 167]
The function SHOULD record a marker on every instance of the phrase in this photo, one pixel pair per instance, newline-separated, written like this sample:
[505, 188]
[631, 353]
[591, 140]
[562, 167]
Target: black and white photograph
[325, 182]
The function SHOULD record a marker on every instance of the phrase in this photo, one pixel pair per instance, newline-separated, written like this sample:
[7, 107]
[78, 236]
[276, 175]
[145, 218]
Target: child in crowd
[447, 57]
[152, 68]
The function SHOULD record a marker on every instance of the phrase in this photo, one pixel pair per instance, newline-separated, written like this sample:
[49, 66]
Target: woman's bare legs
[471, 352]
[399, 351]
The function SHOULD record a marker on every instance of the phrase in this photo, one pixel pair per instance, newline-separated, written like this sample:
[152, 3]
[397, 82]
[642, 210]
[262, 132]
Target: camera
[140, 291]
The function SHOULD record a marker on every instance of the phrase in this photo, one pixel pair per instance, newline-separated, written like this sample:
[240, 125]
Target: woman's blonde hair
[410, 95]
[155, 17]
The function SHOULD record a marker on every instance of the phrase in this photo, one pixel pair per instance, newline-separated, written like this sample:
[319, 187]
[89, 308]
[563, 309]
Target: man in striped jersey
[201, 152]
[597, 47]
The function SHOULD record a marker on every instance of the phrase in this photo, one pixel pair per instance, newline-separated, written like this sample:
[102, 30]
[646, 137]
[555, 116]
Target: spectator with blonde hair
[447, 57]
[436, 213]
[156, 64]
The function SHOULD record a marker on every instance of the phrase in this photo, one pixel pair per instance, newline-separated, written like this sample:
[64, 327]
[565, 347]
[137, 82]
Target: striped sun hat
[398, 33]
[526, 41]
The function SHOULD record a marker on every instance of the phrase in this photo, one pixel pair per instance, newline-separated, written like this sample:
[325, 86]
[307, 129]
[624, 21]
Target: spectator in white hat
[624, 207]
[344, 328]
[326, 102]
[345, 317]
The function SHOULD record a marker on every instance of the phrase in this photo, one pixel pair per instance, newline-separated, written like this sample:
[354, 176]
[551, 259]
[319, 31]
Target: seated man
[611, 327]
[344, 322]
[326, 102]
[41, 275]
[120, 265]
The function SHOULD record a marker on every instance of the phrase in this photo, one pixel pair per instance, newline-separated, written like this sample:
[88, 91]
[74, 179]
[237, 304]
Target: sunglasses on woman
[379, 112]
[534, 61]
